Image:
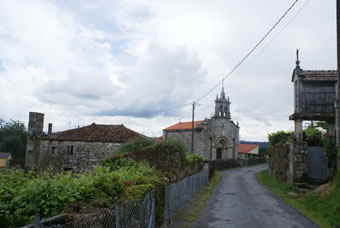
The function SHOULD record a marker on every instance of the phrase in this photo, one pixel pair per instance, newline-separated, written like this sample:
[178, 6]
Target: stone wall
[287, 162]
[279, 161]
[70, 155]
[200, 147]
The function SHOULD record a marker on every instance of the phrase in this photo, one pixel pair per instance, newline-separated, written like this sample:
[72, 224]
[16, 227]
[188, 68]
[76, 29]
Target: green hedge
[22, 196]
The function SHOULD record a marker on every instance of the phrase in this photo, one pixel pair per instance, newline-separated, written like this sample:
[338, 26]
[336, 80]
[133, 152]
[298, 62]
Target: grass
[322, 208]
[189, 215]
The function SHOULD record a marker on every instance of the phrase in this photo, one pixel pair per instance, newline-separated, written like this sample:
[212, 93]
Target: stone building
[76, 149]
[214, 138]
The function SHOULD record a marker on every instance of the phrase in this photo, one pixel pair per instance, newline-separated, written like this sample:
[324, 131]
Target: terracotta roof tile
[246, 148]
[97, 133]
[183, 126]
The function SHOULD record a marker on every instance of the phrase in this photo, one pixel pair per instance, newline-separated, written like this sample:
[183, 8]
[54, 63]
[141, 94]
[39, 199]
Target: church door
[219, 153]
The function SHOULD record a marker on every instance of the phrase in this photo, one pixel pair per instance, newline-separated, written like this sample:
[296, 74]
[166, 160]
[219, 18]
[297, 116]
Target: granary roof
[318, 75]
[184, 126]
[247, 148]
[4, 155]
[97, 133]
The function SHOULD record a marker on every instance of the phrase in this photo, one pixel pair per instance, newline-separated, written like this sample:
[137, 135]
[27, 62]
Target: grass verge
[323, 208]
[186, 217]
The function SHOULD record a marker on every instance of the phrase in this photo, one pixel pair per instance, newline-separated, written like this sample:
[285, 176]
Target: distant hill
[263, 145]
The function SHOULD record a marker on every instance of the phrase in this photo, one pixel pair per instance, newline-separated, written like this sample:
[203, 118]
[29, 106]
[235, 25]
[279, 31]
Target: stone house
[76, 149]
[214, 138]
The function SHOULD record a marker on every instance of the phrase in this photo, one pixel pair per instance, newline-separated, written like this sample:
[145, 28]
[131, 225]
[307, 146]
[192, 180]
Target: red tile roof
[247, 148]
[97, 133]
[183, 126]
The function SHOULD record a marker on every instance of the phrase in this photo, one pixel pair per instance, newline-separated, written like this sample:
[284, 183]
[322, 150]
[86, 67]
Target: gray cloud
[141, 58]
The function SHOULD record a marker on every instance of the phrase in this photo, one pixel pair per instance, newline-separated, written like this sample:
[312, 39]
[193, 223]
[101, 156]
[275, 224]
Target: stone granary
[314, 100]
[214, 138]
[77, 149]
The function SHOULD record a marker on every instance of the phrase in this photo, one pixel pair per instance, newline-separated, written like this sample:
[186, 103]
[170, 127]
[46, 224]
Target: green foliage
[280, 137]
[115, 163]
[135, 145]
[194, 158]
[326, 206]
[13, 140]
[148, 165]
[313, 136]
[22, 196]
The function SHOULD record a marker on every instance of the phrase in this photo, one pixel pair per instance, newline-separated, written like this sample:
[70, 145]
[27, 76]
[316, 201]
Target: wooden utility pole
[193, 127]
[337, 105]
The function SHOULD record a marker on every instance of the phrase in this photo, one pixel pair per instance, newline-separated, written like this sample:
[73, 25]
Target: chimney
[49, 129]
[36, 123]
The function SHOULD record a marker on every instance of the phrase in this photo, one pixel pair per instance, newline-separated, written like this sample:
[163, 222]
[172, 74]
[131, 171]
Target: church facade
[214, 138]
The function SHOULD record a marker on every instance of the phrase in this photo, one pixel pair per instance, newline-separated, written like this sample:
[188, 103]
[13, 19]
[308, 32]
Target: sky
[138, 62]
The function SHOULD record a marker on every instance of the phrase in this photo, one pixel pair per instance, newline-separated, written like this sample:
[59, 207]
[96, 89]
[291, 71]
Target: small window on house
[70, 150]
[219, 154]
[53, 150]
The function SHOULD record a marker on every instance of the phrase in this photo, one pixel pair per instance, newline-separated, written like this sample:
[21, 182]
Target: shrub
[280, 137]
[22, 196]
[135, 145]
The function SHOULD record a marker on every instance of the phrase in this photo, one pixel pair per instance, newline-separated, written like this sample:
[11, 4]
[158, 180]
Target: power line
[245, 57]
[285, 26]
[251, 50]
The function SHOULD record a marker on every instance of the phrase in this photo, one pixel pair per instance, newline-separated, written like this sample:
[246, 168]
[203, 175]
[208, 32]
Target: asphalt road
[241, 202]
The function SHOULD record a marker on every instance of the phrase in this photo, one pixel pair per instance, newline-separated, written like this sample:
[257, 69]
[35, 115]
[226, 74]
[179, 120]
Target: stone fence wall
[279, 161]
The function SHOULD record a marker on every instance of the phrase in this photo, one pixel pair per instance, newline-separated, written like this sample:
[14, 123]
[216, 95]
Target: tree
[13, 137]
[280, 137]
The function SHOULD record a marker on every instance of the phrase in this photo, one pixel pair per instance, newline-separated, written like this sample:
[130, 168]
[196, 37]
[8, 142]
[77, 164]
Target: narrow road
[241, 202]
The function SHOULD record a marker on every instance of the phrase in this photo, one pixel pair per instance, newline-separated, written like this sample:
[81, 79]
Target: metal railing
[178, 194]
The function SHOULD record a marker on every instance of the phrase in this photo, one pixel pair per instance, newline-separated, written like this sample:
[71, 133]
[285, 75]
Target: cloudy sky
[137, 62]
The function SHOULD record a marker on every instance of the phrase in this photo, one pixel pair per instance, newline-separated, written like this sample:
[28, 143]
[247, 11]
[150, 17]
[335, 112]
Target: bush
[135, 145]
[280, 137]
[22, 196]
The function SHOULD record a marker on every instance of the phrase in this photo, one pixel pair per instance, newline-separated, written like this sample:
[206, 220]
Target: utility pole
[337, 105]
[193, 127]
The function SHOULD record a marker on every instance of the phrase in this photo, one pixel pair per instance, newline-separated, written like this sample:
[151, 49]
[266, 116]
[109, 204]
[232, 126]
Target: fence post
[117, 220]
[36, 221]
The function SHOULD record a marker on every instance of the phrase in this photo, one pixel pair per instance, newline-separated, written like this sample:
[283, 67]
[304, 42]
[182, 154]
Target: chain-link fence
[137, 214]
[178, 194]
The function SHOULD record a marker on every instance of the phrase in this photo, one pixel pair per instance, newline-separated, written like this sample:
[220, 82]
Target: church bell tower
[222, 106]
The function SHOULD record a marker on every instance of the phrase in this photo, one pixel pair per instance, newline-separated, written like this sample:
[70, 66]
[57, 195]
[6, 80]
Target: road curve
[241, 202]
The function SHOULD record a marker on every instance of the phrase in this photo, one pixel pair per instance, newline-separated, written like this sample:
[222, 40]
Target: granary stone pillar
[297, 159]
[298, 134]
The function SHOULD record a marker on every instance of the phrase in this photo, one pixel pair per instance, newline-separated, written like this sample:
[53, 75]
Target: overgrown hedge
[22, 196]
[141, 165]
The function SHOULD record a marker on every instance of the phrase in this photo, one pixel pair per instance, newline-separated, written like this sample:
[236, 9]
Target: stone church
[215, 138]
